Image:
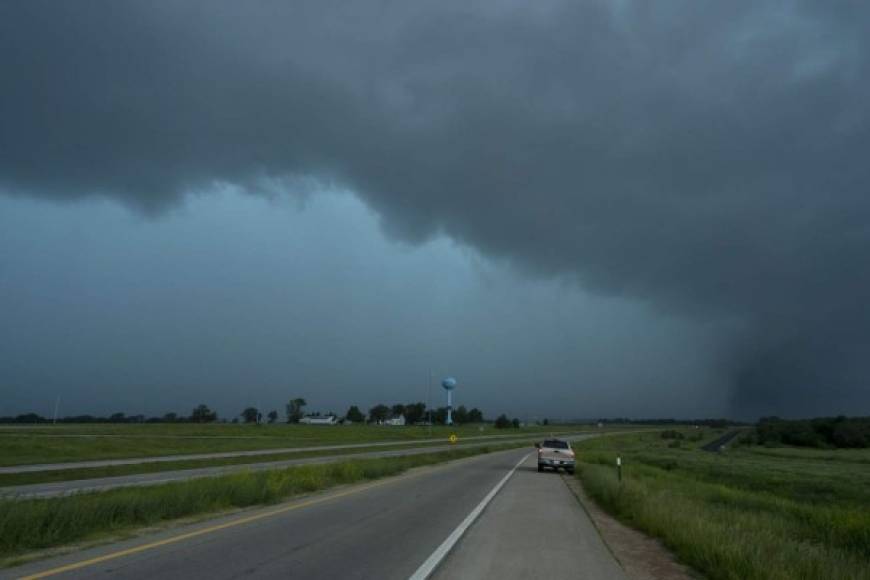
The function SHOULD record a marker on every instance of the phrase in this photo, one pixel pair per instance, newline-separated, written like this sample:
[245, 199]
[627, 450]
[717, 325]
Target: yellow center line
[203, 531]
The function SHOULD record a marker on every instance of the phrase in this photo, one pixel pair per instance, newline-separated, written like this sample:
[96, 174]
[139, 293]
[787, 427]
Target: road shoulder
[534, 528]
[641, 557]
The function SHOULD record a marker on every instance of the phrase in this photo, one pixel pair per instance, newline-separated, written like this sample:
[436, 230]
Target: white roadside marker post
[619, 469]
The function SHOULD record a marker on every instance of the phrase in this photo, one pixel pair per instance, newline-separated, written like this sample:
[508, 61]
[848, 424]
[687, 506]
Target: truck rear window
[555, 444]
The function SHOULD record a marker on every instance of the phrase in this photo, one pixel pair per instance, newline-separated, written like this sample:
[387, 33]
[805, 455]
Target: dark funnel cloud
[708, 159]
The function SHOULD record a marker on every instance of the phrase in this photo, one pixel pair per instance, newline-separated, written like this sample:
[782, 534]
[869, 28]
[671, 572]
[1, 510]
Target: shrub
[848, 435]
[822, 432]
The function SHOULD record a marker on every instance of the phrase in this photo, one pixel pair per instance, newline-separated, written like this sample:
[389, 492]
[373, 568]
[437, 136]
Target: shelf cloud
[709, 160]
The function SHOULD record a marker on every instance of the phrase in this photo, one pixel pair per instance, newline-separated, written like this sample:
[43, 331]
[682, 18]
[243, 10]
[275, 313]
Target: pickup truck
[555, 453]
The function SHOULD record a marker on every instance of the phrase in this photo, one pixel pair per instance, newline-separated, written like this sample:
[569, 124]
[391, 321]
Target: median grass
[748, 513]
[28, 525]
[83, 473]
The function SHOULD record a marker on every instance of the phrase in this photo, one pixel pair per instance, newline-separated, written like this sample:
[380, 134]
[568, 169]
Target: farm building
[326, 420]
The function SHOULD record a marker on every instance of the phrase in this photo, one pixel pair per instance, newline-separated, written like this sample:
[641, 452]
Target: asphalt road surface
[721, 442]
[59, 488]
[398, 528]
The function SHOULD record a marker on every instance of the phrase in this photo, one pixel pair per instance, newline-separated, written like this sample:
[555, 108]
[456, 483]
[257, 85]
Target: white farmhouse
[327, 420]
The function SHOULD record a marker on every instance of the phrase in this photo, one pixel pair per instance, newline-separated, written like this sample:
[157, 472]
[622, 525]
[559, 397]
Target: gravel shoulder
[641, 557]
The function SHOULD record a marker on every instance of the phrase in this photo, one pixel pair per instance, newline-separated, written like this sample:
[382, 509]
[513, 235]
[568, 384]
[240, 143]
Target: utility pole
[429, 402]
[56, 405]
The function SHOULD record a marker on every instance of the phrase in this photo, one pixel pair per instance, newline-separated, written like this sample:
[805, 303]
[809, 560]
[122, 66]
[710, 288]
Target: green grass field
[44, 523]
[749, 513]
[66, 443]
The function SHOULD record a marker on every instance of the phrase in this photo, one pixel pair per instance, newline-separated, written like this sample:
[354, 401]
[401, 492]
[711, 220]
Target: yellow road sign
[453, 438]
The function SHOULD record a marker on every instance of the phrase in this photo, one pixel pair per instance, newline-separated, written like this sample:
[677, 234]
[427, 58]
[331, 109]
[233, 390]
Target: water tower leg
[450, 407]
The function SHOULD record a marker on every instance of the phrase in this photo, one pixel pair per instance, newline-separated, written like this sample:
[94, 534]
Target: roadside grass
[23, 445]
[811, 454]
[29, 525]
[14, 479]
[743, 514]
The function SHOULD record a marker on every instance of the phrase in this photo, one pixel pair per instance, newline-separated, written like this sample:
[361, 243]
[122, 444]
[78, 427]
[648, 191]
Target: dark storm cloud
[709, 158]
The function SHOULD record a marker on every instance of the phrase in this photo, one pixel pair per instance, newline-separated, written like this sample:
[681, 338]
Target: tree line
[199, 414]
[413, 413]
[823, 432]
[712, 423]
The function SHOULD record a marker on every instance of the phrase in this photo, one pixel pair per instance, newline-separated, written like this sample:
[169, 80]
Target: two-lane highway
[386, 529]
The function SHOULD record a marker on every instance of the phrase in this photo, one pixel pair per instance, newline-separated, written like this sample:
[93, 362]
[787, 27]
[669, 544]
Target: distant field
[20, 445]
[749, 513]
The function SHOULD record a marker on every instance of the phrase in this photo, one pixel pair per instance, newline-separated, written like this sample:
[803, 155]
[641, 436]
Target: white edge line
[432, 562]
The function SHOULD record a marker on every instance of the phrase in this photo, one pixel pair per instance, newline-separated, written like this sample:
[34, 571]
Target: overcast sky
[579, 209]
